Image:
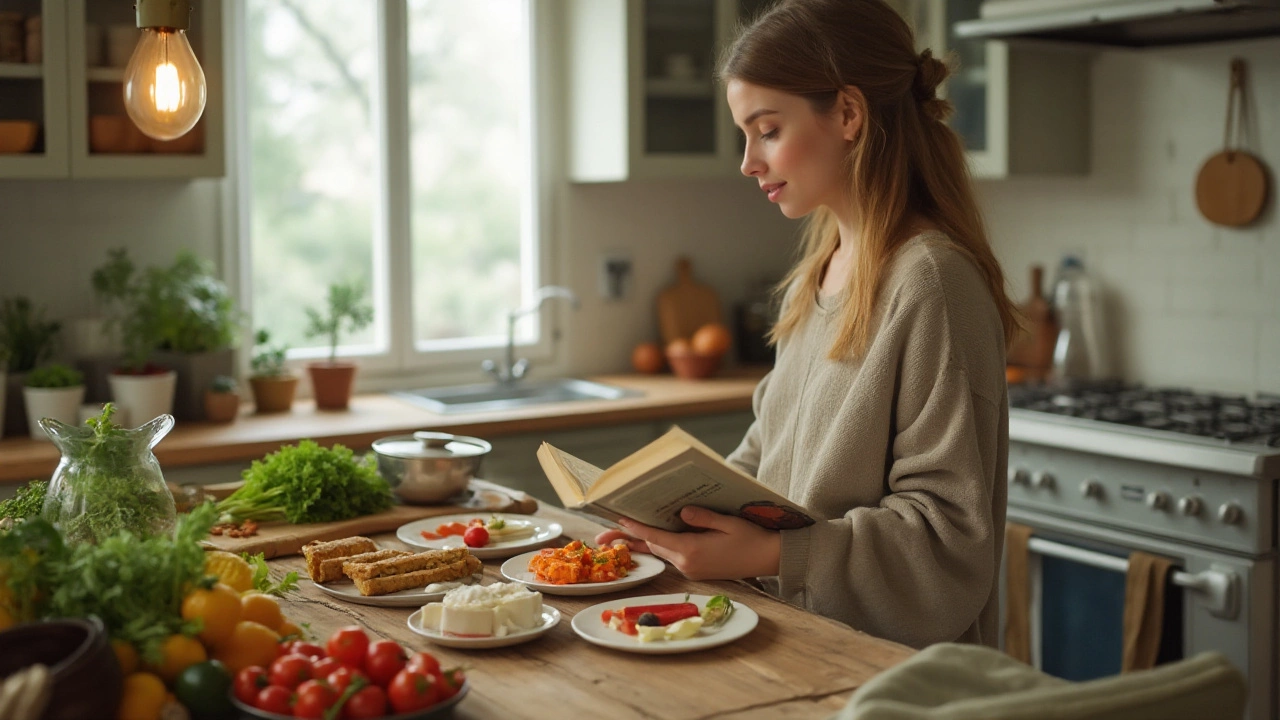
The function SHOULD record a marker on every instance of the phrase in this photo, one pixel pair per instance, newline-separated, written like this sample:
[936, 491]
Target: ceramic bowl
[86, 674]
[17, 136]
[115, 134]
[690, 365]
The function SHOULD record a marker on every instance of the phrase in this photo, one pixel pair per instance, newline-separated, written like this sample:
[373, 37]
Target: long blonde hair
[905, 162]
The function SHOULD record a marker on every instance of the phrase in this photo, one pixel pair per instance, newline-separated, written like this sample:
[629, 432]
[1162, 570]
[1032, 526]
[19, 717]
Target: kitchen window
[389, 143]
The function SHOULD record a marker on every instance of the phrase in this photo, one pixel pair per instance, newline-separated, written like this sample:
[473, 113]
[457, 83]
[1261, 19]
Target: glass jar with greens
[108, 479]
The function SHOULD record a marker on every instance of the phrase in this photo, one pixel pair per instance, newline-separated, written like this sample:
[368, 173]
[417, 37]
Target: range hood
[1126, 23]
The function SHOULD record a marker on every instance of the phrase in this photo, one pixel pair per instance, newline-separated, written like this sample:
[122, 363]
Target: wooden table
[793, 665]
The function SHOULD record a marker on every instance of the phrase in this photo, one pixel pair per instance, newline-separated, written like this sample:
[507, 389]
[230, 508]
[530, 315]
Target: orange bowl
[17, 136]
[112, 134]
[693, 366]
[190, 144]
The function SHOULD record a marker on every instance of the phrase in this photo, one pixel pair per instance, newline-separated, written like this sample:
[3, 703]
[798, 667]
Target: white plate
[550, 618]
[543, 530]
[648, 568]
[413, 597]
[590, 627]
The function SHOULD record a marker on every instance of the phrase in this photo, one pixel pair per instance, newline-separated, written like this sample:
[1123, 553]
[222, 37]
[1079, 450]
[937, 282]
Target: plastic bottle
[1080, 352]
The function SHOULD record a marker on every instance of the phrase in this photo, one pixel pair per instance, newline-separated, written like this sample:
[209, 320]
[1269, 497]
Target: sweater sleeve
[747, 455]
[919, 566]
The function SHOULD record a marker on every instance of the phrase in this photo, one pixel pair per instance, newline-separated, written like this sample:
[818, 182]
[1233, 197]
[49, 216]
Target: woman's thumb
[702, 517]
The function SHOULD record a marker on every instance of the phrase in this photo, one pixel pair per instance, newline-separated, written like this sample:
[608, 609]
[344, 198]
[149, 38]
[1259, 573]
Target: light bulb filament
[166, 93]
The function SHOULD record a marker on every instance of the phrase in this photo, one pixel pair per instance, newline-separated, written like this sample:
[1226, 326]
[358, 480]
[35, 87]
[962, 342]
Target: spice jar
[11, 37]
[35, 40]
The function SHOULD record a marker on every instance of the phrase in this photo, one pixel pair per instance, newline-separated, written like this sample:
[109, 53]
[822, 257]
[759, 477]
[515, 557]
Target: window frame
[395, 360]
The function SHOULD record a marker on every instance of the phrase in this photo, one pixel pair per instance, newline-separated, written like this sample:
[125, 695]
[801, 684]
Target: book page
[582, 471]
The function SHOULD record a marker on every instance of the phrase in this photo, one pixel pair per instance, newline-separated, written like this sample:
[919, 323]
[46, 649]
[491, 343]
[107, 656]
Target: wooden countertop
[794, 664]
[377, 415]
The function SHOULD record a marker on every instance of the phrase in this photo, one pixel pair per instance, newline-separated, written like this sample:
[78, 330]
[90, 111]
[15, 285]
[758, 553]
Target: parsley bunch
[307, 483]
[26, 503]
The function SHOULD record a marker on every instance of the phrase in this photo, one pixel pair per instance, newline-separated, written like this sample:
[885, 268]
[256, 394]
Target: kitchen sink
[497, 396]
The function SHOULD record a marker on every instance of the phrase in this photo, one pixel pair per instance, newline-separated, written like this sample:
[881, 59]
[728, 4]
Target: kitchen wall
[1189, 303]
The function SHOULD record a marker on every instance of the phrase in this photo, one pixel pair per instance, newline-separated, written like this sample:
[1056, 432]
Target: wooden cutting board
[280, 539]
[686, 305]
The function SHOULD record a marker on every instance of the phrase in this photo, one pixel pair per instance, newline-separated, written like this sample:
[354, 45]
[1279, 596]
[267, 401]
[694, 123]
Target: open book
[652, 484]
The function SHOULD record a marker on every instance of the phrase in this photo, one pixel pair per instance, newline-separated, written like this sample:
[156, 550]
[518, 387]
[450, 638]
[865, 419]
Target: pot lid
[425, 444]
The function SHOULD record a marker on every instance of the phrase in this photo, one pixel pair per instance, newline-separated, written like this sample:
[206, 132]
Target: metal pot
[429, 467]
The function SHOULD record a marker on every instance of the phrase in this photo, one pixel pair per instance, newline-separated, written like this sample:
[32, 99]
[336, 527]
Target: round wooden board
[1231, 188]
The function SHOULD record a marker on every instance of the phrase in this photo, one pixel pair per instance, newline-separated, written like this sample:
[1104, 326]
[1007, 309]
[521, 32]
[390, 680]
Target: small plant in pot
[221, 401]
[52, 391]
[332, 381]
[29, 340]
[273, 385]
[140, 388]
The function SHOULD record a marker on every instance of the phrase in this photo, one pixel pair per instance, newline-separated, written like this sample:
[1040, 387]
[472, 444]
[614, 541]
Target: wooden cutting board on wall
[280, 539]
[686, 305]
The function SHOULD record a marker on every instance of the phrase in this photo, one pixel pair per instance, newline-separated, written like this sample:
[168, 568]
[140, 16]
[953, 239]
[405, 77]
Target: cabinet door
[33, 89]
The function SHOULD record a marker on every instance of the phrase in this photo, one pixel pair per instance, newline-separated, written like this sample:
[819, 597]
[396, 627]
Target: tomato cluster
[473, 533]
[368, 679]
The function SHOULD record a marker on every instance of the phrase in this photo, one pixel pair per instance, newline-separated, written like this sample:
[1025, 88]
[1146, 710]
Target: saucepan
[429, 467]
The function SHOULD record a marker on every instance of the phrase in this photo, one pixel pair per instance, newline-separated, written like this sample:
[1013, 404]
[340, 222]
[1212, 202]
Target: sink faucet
[516, 369]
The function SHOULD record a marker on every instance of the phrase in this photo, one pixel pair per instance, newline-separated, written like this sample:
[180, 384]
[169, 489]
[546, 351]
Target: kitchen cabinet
[1021, 108]
[78, 85]
[643, 100]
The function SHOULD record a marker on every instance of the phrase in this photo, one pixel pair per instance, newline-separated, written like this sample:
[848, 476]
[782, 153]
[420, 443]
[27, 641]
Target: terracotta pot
[331, 383]
[273, 394]
[221, 407]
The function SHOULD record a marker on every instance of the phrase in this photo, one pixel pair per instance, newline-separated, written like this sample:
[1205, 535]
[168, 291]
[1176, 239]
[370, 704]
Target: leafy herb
[717, 611]
[26, 503]
[345, 302]
[28, 338]
[262, 577]
[268, 362]
[55, 376]
[223, 384]
[307, 483]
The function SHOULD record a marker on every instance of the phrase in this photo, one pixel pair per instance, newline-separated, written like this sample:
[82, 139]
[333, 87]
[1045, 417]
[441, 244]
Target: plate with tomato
[414, 597]
[488, 537]
[647, 567]
[612, 624]
[360, 677]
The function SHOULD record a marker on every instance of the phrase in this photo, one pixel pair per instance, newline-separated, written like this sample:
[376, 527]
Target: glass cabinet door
[968, 88]
[679, 92]
[33, 101]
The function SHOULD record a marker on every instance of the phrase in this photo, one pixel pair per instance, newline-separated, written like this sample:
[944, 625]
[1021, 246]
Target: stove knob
[1190, 506]
[1091, 489]
[1158, 500]
[1019, 476]
[1041, 479]
[1230, 513]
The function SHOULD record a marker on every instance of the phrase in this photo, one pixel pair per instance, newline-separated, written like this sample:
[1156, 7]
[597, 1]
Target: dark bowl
[86, 675]
[439, 711]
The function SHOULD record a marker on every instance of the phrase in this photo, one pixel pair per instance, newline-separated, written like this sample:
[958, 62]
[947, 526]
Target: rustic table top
[793, 665]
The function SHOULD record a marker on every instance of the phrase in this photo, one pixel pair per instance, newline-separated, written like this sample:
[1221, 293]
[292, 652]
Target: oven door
[1213, 601]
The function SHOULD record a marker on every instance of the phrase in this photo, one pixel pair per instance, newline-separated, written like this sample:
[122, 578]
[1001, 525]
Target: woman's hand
[729, 548]
[634, 545]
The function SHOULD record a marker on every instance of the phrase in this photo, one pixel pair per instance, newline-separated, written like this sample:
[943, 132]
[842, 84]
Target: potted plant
[140, 388]
[273, 385]
[221, 401]
[29, 339]
[332, 381]
[52, 391]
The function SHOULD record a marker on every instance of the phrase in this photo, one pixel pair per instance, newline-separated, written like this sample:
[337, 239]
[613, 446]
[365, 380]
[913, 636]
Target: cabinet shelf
[21, 71]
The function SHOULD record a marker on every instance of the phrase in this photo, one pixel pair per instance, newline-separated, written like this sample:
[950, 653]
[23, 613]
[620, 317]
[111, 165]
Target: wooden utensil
[1032, 351]
[1232, 188]
[686, 305]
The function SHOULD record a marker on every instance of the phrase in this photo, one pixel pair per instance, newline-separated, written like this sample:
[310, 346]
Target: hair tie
[930, 72]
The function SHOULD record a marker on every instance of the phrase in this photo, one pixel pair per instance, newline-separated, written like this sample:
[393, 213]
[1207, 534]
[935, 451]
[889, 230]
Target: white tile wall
[1189, 303]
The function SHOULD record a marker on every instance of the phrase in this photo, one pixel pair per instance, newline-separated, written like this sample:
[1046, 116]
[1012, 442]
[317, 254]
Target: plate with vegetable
[665, 624]
[415, 597]
[497, 535]
[578, 569]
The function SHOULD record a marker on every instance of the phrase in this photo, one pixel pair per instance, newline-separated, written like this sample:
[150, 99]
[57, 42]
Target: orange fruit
[679, 346]
[250, 644]
[143, 697]
[262, 609]
[647, 358]
[218, 608]
[180, 652]
[127, 655]
[230, 569]
[711, 339]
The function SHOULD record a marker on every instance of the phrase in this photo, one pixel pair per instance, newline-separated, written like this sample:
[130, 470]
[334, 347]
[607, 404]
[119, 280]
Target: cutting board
[686, 305]
[279, 539]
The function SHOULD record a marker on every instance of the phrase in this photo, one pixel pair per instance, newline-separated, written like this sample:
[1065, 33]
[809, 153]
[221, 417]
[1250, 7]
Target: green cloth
[968, 682]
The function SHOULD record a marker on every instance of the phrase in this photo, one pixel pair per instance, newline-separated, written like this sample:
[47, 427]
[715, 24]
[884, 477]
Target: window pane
[469, 103]
[312, 71]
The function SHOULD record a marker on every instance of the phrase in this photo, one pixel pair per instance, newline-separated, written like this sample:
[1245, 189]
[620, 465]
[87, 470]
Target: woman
[886, 412]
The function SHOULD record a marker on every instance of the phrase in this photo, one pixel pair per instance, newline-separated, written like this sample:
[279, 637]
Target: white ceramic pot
[145, 396]
[61, 404]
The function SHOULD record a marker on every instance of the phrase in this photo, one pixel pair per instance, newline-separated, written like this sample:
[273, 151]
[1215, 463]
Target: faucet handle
[520, 368]
[491, 368]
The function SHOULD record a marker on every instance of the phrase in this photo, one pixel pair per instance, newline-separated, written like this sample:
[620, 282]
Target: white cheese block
[650, 633]
[684, 629]
[521, 612]
[431, 616]
[467, 621]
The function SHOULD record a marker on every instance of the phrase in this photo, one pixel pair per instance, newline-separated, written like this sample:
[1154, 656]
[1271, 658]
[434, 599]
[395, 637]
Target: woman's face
[796, 154]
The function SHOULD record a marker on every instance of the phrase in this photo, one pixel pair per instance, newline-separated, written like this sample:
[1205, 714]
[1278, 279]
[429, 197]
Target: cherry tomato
[309, 649]
[249, 682]
[423, 662]
[290, 670]
[339, 679]
[324, 667]
[348, 645]
[314, 697]
[606, 616]
[285, 648]
[385, 659]
[411, 691]
[370, 702]
[275, 699]
[476, 536]
[449, 682]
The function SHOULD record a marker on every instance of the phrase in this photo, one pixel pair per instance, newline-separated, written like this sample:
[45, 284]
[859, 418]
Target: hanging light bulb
[164, 87]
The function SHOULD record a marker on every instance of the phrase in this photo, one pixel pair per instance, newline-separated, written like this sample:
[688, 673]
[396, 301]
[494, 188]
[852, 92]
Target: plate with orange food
[579, 569]
[487, 535]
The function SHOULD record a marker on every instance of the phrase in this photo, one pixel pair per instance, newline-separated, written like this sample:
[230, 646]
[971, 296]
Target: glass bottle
[108, 480]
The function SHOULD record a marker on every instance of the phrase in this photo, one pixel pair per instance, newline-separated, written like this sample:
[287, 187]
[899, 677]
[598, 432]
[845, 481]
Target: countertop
[375, 416]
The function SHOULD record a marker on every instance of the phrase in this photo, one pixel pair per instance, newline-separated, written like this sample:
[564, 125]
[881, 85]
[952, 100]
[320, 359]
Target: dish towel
[1017, 601]
[1143, 610]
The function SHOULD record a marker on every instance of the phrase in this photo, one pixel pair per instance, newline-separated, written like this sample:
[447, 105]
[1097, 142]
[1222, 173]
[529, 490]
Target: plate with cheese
[485, 616]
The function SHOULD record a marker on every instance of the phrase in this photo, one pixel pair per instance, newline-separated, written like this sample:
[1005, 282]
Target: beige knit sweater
[902, 455]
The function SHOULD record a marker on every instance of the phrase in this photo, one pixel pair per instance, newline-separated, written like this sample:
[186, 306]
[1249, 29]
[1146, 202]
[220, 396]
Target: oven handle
[1219, 584]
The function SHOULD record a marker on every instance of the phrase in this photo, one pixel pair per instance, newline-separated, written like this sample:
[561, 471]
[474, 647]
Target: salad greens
[26, 503]
[717, 611]
[262, 577]
[307, 483]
